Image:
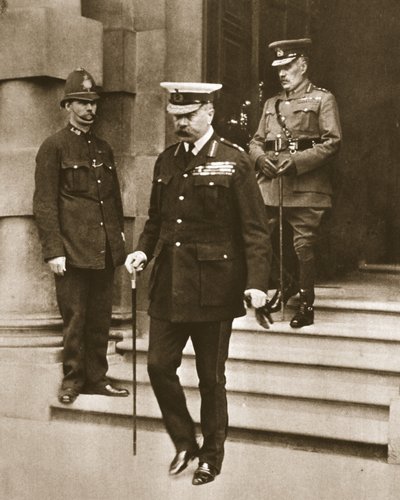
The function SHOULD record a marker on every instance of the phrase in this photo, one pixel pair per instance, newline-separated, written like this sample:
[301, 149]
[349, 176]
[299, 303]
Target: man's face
[82, 113]
[293, 74]
[192, 126]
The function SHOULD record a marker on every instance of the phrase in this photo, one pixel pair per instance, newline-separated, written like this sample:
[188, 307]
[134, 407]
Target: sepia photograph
[200, 249]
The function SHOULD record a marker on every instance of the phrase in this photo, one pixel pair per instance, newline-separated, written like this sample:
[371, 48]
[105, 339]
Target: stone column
[45, 40]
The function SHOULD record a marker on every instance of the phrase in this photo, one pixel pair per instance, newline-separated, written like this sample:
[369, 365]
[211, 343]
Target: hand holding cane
[134, 356]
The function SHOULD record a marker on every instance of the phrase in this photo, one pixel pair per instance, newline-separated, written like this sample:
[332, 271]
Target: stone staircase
[334, 380]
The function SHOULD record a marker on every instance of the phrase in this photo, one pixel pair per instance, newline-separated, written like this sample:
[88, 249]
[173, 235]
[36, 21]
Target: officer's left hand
[287, 167]
[257, 298]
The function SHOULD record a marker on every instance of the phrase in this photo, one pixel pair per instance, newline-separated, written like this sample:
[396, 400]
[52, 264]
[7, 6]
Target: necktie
[188, 154]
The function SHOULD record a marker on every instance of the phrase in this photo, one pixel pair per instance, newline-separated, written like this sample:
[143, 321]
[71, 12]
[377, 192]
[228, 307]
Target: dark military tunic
[208, 233]
[77, 201]
[308, 113]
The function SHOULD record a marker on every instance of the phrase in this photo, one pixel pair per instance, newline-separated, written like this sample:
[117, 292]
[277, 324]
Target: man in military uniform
[208, 234]
[298, 134]
[78, 211]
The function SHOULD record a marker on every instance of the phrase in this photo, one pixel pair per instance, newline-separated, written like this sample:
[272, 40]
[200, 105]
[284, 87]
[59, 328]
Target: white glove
[57, 265]
[257, 297]
[136, 260]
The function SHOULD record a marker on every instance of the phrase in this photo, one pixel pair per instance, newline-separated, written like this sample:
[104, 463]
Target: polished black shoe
[205, 473]
[181, 460]
[67, 395]
[107, 390]
[303, 317]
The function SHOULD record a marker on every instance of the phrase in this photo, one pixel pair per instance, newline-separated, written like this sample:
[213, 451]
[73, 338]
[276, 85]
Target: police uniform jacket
[207, 232]
[77, 201]
[311, 116]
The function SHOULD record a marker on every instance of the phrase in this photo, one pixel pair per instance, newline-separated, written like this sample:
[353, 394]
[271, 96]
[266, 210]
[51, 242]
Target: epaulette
[177, 145]
[231, 144]
[321, 89]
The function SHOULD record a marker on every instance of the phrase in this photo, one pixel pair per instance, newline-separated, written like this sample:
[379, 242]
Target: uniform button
[98, 181]
[101, 202]
[211, 183]
[305, 109]
[181, 197]
[75, 166]
[179, 221]
[185, 175]
[276, 153]
[225, 256]
[283, 118]
[159, 180]
[178, 244]
[89, 142]
[102, 251]
[101, 223]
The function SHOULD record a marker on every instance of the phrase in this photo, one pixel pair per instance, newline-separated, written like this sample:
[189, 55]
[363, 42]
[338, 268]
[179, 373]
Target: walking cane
[278, 145]
[134, 355]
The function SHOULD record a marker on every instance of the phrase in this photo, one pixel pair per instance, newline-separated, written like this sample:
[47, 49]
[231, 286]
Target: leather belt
[292, 145]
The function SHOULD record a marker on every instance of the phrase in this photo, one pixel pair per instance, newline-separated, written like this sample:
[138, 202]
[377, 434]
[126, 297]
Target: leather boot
[305, 313]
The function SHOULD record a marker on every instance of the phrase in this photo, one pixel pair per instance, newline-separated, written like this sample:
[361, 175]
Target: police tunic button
[225, 256]
[75, 166]
[211, 183]
[185, 175]
[98, 181]
[101, 223]
[101, 202]
[179, 221]
[178, 244]
[181, 198]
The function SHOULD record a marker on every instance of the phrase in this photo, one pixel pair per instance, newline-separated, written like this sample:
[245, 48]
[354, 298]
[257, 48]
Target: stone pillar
[45, 40]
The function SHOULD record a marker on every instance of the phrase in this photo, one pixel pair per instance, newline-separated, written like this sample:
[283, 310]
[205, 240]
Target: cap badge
[87, 83]
[279, 52]
[177, 98]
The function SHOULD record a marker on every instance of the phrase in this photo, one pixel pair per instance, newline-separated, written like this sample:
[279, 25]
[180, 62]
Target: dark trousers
[211, 343]
[305, 222]
[84, 298]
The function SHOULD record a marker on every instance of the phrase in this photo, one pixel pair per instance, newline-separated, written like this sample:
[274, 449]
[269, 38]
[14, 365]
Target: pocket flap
[215, 251]
[305, 107]
[212, 180]
[162, 179]
[74, 164]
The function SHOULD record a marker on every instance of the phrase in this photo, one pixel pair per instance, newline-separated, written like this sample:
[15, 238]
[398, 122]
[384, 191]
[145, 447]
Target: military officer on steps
[208, 234]
[297, 137]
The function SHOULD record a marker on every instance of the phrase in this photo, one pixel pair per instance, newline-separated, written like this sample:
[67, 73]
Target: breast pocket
[75, 176]
[212, 191]
[305, 117]
[159, 186]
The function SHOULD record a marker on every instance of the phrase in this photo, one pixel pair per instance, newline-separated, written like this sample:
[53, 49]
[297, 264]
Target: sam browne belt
[292, 145]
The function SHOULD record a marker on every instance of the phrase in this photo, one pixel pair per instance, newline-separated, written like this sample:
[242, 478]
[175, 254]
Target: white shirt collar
[198, 145]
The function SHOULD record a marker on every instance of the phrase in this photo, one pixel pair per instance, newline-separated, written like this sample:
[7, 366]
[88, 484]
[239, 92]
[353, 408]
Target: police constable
[78, 211]
[207, 232]
[298, 134]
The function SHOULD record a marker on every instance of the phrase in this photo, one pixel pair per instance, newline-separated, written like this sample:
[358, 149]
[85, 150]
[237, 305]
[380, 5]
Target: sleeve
[151, 231]
[256, 147]
[330, 133]
[45, 200]
[253, 222]
[117, 193]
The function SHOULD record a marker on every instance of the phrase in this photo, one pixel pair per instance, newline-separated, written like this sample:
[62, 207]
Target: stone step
[283, 380]
[247, 411]
[311, 348]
